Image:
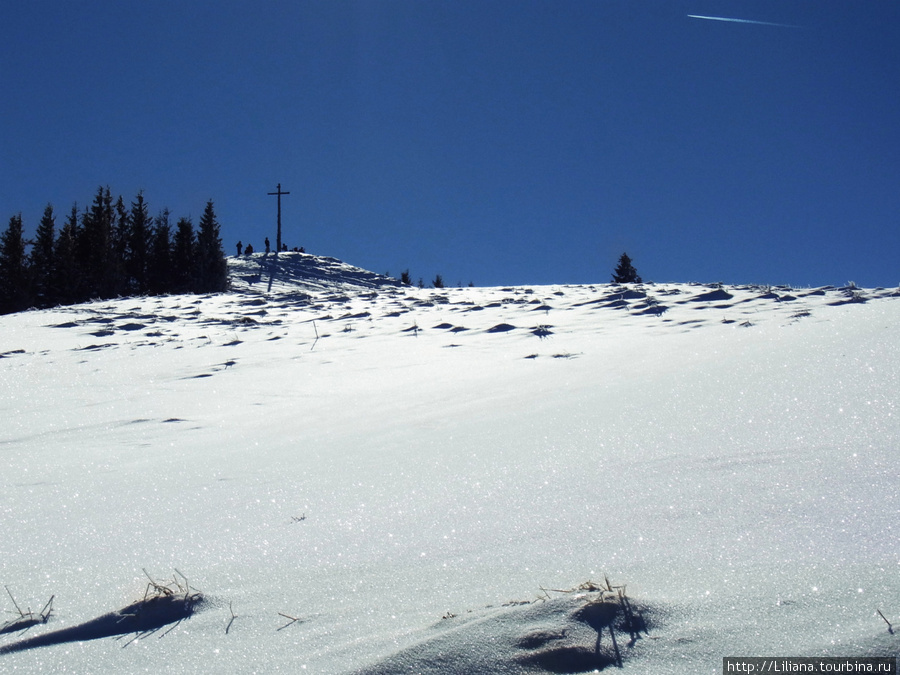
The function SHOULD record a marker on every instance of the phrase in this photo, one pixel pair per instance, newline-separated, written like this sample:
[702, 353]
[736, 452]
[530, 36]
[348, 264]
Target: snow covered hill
[360, 477]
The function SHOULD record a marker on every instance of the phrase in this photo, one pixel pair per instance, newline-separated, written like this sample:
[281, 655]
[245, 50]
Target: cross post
[278, 238]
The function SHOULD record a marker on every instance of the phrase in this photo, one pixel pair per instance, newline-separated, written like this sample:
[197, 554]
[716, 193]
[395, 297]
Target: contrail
[732, 20]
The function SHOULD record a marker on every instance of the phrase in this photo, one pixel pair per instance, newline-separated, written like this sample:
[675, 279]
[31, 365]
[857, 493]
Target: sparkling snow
[367, 458]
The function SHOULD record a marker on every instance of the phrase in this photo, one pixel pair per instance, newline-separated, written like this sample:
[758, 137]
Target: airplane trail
[733, 20]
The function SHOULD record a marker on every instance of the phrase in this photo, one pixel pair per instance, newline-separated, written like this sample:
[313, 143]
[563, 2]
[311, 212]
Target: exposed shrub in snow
[162, 605]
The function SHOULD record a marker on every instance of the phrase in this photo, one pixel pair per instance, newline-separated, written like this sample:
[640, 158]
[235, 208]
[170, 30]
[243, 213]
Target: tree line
[109, 250]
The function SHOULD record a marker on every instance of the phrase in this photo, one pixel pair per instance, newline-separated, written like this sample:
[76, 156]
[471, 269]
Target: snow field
[740, 479]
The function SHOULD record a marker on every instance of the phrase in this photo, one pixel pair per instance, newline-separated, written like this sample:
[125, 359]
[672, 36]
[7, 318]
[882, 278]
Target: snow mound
[577, 632]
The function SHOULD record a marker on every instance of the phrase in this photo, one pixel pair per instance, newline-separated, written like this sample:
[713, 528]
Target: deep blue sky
[493, 141]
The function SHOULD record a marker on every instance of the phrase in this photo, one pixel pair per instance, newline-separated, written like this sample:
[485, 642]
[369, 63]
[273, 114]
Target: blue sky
[492, 141]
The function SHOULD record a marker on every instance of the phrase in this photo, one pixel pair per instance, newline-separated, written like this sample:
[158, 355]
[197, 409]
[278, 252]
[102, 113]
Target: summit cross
[278, 237]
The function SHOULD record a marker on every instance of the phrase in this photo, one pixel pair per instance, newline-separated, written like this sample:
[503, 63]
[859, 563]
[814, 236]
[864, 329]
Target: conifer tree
[67, 287]
[183, 257]
[117, 276]
[95, 246]
[159, 261]
[41, 260]
[211, 267]
[138, 244]
[13, 269]
[625, 273]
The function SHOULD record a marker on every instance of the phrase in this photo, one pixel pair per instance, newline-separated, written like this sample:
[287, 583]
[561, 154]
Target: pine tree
[625, 273]
[138, 244]
[13, 269]
[67, 287]
[183, 257]
[117, 278]
[159, 261]
[95, 244]
[211, 266]
[41, 260]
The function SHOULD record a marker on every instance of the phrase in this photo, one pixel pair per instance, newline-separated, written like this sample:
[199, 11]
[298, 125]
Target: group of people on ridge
[248, 250]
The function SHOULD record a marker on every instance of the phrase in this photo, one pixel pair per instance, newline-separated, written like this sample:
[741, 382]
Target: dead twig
[174, 626]
[890, 627]
[158, 589]
[142, 635]
[28, 619]
[187, 585]
[15, 604]
[231, 621]
[293, 619]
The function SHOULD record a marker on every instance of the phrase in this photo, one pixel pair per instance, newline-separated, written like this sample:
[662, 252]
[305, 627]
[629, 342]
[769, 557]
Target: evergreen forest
[109, 250]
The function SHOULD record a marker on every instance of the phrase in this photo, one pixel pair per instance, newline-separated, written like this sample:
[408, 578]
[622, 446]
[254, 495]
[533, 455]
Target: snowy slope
[404, 470]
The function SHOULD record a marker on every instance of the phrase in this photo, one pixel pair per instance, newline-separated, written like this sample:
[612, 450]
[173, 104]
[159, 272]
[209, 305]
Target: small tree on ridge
[625, 273]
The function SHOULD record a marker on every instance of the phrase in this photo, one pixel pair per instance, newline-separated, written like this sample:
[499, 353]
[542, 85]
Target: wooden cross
[278, 238]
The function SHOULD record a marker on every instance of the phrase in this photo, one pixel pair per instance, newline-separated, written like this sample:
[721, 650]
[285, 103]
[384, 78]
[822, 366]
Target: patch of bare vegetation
[165, 604]
[26, 620]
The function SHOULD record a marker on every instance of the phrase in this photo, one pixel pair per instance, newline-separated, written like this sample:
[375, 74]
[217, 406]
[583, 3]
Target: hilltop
[291, 272]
